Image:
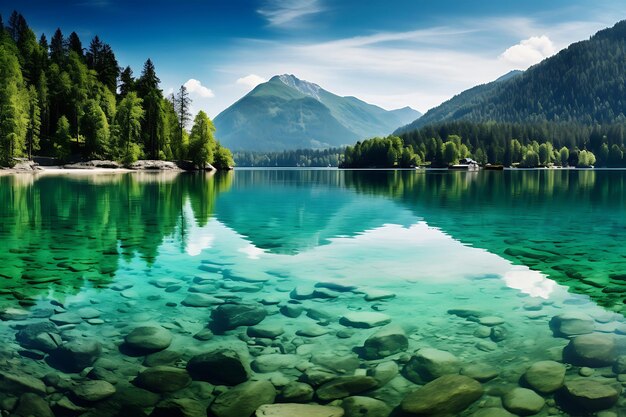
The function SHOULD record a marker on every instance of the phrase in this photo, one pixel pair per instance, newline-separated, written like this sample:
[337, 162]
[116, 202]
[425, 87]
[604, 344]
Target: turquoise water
[473, 265]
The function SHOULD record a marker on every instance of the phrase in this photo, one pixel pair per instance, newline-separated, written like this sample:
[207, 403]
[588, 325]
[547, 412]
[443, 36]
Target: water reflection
[60, 231]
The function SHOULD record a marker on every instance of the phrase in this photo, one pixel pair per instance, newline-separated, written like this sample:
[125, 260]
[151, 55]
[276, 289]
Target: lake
[426, 293]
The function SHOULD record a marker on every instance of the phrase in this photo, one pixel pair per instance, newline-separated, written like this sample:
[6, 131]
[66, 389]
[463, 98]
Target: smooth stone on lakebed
[266, 330]
[344, 386]
[365, 407]
[220, 366]
[373, 294]
[365, 319]
[76, 355]
[16, 384]
[312, 330]
[243, 399]
[149, 339]
[163, 379]
[41, 336]
[231, 316]
[196, 299]
[274, 361]
[31, 404]
[590, 395]
[523, 401]
[296, 392]
[593, 350]
[572, 323]
[428, 364]
[93, 390]
[545, 376]
[66, 318]
[445, 396]
[480, 372]
[298, 410]
[385, 342]
[179, 407]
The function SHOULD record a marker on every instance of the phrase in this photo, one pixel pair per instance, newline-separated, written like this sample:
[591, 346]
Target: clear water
[520, 246]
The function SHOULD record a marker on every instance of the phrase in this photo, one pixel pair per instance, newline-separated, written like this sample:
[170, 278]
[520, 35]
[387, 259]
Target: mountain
[289, 113]
[584, 83]
[453, 109]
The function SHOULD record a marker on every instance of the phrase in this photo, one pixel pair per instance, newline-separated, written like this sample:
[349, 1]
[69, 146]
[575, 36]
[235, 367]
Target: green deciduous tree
[95, 128]
[128, 121]
[13, 108]
[62, 138]
[201, 141]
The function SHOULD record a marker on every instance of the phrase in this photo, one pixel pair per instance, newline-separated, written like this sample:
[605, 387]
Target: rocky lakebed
[228, 344]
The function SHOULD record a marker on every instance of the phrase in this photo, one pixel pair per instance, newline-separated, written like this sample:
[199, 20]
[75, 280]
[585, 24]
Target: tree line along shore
[72, 103]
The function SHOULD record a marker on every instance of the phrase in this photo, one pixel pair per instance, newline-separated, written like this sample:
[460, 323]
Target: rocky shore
[26, 166]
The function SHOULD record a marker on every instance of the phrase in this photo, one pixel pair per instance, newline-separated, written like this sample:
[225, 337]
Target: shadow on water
[58, 231]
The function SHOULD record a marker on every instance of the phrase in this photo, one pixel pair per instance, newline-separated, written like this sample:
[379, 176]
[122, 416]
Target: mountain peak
[305, 87]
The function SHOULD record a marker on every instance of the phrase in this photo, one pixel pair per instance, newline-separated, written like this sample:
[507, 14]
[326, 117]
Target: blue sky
[392, 53]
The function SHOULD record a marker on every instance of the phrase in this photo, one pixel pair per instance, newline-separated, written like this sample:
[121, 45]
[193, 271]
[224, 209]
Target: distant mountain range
[288, 113]
[584, 83]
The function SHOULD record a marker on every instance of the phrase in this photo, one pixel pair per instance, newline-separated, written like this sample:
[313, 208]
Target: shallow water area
[190, 294]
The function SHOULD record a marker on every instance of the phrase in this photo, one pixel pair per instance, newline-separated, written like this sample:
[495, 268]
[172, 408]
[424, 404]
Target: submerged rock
[197, 299]
[31, 404]
[365, 407]
[385, 342]
[266, 330]
[296, 392]
[593, 350]
[572, 323]
[345, 386]
[298, 410]
[231, 316]
[312, 330]
[243, 399]
[589, 395]
[492, 412]
[274, 361]
[163, 379]
[429, 364]
[480, 372]
[179, 407]
[93, 390]
[445, 396]
[545, 376]
[41, 336]
[148, 339]
[523, 401]
[221, 366]
[17, 384]
[76, 355]
[365, 319]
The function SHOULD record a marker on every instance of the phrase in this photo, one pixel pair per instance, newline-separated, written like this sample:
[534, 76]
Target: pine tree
[95, 128]
[13, 108]
[33, 130]
[152, 126]
[182, 104]
[74, 44]
[128, 121]
[57, 48]
[127, 82]
[62, 138]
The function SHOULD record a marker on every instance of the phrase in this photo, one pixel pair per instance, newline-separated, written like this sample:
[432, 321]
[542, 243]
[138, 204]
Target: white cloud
[251, 80]
[195, 87]
[529, 51]
[289, 12]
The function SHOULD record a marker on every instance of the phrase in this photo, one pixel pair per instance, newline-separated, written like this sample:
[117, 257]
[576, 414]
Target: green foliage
[52, 92]
[531, 159]
[33, 129]
[564, 156]
[386, 152]
[295, 158]
[201, 141]
[583, 83]
[95, 128]
[128, 130]
[14, 104]
[450, 153]
[62, 138]
[586, 159]
[223, 158]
